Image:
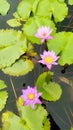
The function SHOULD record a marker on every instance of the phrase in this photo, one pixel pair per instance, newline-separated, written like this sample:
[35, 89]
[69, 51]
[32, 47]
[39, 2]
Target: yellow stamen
[31, 96]
[48, 60]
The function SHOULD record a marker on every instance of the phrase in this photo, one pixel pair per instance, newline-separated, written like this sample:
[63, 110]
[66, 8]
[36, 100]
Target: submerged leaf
[62, 44]
[20, 67]
[33, 24]
[4, 7]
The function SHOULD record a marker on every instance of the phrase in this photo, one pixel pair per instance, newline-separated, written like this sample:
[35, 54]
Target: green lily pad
[33, 24]
[12, 122]
[70, 2]
[51, 91]
[4, 7]
[20, 67]
[3, 95]
[62, 44]
[47, 8]
[13, 23]
[24, 8]
[13, 45]
[26, 120]
[40, 114]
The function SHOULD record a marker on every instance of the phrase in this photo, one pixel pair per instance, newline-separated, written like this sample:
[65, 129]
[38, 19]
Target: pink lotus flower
[48, 59]
[44, 33]
[31, 96]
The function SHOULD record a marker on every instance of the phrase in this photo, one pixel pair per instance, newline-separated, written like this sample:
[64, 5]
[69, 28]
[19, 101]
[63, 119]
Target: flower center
[30, 96]
[48, 60]
[44, 34]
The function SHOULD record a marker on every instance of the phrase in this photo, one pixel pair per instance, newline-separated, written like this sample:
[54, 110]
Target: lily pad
[20, 67]
[62, 44]
[51, 91]
[4, 7]
[33, 24]
[47, 8]
[3, 95]
[13, 45]
[26, 120]
[13, 23]
[70, 2]
[24, 8]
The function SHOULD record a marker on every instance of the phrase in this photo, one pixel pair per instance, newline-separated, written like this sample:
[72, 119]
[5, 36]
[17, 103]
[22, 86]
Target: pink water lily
[31, 96]
[48, 59]
[44, 33]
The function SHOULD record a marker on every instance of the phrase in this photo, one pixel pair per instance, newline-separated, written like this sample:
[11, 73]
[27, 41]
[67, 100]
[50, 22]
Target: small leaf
[3, 99]
[13, 23]
[33, 24]
[2, 84]
[20, 67]
[4, 7]
[3, 95]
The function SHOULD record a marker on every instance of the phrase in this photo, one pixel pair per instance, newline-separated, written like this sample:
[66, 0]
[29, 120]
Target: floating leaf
[20, 67]
[33, 24]
[3, 95]
[70, 2]
[3, 99]
[12, 122]
[40, 114]
[26, 121]
[51, 91]
[24, 8]
[62, 44]
[56, 8]
[4, 7]
[44, 77]
[13, 23]
[11, 37]
[2, 84]
[35, 5]
[15, 47]
[46, 124]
